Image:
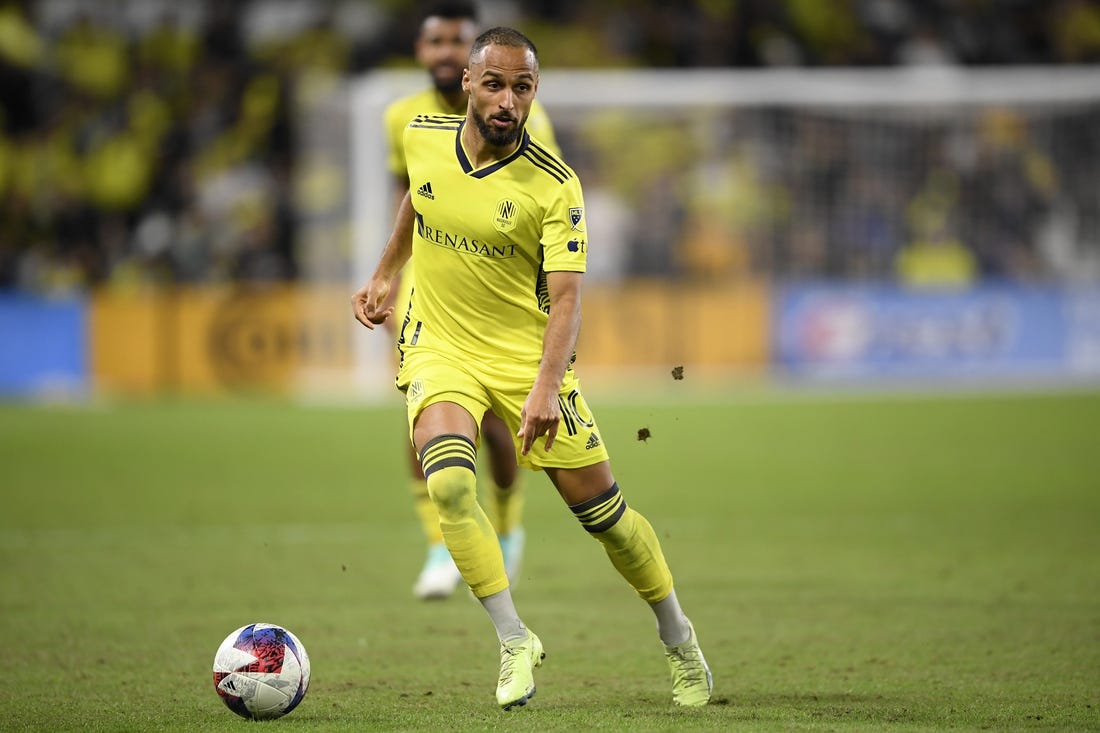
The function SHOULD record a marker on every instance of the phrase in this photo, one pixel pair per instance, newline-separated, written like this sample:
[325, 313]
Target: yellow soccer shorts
[427, 377]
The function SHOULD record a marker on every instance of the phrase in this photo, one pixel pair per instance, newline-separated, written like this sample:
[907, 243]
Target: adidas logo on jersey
[593, 442]
[426, 191]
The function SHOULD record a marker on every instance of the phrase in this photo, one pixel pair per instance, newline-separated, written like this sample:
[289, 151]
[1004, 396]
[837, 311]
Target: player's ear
[466, 80]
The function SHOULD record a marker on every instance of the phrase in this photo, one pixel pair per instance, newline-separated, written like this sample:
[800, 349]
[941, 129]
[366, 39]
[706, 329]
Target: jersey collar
[468, 167]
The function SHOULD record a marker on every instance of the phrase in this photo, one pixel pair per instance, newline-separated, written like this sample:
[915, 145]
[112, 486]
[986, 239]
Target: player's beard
[495, 137]
[448, 85]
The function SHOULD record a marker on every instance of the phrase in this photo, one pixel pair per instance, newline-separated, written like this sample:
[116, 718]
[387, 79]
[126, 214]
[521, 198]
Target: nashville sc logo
[415, 392]
[426, 191]
[504, 218]
[462, 243]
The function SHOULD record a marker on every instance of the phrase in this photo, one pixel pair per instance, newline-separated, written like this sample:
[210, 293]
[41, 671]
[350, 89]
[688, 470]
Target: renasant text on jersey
[460, 242]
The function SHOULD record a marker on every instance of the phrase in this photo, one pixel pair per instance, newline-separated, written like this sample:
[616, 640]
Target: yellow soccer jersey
[431, 102]
[483, 242]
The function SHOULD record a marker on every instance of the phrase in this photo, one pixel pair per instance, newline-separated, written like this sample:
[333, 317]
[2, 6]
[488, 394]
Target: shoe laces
[687, 666]
[509, 657]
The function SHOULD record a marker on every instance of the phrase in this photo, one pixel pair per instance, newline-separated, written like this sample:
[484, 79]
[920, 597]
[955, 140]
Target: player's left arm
[541, 414]
[564, 248]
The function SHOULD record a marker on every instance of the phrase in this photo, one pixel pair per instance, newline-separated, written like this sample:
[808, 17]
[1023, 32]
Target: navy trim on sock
[446, 451]
[595, 500]
[600, 513]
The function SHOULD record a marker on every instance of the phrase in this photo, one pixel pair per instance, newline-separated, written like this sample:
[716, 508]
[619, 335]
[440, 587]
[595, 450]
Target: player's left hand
[367, 303]
[540, 415]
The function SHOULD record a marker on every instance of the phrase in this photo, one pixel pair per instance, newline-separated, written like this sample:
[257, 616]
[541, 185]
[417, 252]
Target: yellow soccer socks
[630, 543]
[425, 511]
[506, 506]
[449, 463]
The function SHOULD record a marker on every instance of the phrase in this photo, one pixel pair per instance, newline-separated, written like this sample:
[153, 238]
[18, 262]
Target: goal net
[705, 187]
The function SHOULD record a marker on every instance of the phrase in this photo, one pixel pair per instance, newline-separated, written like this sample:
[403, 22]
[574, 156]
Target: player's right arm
[401, 191]
[395, 118]
[369, 303]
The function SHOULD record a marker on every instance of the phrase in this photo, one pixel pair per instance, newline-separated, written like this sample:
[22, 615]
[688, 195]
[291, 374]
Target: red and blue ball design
[261, 671]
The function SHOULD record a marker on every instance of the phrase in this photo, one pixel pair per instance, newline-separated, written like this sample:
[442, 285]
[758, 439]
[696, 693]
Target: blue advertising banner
[1081, 311]
[883, 330]
[43, 346]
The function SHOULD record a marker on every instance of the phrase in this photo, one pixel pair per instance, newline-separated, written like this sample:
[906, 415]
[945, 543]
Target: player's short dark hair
[450, 10]
[502, 36]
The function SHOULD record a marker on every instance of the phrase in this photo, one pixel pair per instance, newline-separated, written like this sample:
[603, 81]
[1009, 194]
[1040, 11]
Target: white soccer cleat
[518, 660]
[439, 576]
[692, 682]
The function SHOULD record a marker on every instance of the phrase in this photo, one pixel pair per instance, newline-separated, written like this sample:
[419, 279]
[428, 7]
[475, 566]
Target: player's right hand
[367, 303]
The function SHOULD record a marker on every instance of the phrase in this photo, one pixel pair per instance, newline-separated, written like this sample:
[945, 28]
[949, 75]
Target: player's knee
[453, 490]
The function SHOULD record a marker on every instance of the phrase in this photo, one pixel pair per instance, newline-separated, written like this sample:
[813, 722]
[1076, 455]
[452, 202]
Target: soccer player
[495, 224]
[446, 33]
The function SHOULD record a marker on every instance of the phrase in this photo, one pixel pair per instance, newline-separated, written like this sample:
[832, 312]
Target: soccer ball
[261, 671]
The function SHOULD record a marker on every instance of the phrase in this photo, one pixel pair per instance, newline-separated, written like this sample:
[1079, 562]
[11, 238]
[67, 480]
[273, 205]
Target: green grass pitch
[851, 562]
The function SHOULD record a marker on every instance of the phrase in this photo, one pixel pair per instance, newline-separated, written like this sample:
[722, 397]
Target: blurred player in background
[495, 222]
[442, 47]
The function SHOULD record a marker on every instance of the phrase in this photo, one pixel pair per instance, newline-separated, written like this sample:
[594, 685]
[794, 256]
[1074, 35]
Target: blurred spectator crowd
[154, 141]
[929, 198]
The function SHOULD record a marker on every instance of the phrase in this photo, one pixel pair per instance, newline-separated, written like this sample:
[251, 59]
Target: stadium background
[178, 210]
[178, 215]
